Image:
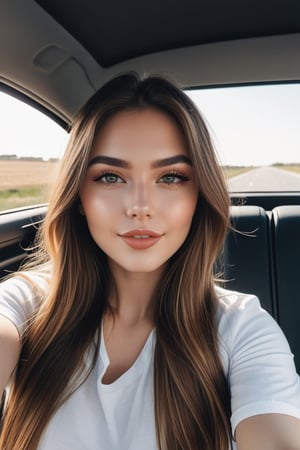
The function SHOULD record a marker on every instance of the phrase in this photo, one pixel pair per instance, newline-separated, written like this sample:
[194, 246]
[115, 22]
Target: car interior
[56, 54]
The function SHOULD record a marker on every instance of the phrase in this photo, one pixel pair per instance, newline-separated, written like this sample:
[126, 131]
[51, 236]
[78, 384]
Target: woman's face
[139, 193]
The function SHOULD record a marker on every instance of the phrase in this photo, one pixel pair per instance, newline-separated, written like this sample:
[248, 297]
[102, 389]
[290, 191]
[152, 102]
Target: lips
[140, 239]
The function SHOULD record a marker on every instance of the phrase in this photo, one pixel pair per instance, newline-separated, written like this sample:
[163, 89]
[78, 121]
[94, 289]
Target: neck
[132, 296]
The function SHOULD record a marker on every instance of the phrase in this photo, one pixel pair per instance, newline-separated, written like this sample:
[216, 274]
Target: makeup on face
[141, 239]
[139, 193]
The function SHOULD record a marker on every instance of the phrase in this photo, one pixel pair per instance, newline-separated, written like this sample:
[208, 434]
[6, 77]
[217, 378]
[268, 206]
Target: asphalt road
[265, 179]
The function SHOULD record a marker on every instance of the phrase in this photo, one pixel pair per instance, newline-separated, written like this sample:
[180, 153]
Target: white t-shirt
[256, 357]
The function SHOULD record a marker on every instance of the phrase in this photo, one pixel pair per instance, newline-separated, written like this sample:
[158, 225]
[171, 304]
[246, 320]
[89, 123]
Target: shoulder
[231, 302]
[245, 328]
[25, 285]
[21, 295]
[237, 312]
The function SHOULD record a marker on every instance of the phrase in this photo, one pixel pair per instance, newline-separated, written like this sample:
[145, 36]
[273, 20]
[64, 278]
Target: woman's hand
[268, 432]
[9, 350]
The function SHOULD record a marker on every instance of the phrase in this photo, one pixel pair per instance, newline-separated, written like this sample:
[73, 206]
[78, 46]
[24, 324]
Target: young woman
[120, 338]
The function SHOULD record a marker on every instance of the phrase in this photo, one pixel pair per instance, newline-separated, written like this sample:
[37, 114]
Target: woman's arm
[268, 432]
[9, 350]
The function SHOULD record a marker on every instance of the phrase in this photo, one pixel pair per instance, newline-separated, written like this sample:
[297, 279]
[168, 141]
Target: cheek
[97, 208]
[181, 211]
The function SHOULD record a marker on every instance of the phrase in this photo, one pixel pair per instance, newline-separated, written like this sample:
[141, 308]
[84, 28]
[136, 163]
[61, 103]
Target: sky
[25, 131]
[257, 125]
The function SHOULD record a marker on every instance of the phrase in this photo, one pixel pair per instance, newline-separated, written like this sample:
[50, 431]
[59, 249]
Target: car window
[30, 147]
[256, 133]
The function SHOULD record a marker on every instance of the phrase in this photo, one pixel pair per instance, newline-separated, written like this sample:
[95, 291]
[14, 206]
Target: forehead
[142, 132]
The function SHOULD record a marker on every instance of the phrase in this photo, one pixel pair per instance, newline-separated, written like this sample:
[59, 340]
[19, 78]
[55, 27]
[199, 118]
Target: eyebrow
[154, 165]
[110, 161]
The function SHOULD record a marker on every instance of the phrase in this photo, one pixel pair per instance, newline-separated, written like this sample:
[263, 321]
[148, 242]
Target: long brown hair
[192, 403]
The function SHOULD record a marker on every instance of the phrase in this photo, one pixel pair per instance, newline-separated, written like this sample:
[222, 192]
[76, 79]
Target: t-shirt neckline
[139, 366]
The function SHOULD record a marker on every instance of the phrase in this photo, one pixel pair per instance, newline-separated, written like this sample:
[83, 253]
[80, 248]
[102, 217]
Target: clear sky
[255, 125]
[27, 132]
[250, 125]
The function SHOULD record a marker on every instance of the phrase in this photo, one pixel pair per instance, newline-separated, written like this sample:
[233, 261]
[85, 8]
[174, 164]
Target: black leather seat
[286, 244]
[247, 254]
[262, 256]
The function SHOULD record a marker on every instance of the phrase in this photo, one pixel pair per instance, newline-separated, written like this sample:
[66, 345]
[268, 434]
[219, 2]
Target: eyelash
[176, 174]
[105, 173]
[172, 173]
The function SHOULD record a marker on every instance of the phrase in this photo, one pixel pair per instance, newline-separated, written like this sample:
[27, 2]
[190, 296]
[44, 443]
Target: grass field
[233, 171]
[290, 167]
[24, 183]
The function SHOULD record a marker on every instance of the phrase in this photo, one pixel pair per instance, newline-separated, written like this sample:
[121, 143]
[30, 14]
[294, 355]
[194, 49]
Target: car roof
[117, 31]
[59, 53]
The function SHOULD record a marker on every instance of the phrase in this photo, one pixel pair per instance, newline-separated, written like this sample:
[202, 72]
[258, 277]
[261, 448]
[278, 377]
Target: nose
[139, 202]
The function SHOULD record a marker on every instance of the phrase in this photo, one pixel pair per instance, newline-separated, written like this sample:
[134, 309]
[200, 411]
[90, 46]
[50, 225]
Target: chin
[138, 267]
[142, 269]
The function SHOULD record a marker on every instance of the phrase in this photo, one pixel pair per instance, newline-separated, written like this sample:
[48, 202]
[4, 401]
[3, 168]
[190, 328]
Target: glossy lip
[140, 239]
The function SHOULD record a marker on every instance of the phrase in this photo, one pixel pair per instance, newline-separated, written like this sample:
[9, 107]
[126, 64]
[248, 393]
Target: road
[265, 179]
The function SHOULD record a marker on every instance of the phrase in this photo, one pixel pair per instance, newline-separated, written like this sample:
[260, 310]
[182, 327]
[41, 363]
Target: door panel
[17, 232]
